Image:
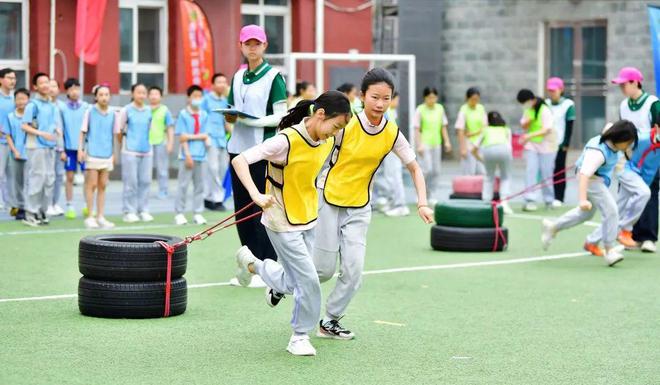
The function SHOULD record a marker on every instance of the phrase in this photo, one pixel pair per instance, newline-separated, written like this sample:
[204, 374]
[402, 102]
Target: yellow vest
[297, 178]
[360, 154]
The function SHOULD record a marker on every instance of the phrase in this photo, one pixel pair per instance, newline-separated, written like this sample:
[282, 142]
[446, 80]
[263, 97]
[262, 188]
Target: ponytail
[333, 103]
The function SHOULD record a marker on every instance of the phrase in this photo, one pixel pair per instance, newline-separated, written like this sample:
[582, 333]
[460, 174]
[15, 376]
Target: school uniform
[540, 152]
[495, 147]
[217, 158]
[191, 123]
[597, 161]
[563, 112]
[161, 120]
[430, 121]
[345, 192]
[471, 121]
[136, 158]
[6, 107]
[100, 128]
[41, 114]
[295, 161]
[17, 170]
[253, 92]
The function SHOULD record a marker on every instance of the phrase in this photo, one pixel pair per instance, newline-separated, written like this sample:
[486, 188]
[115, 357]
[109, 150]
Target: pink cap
[628, 74]
[554, 84]
[252, 32]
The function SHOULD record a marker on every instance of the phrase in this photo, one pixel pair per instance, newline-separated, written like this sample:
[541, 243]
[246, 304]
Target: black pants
[560, 164]
[252, 233]
[646, 229]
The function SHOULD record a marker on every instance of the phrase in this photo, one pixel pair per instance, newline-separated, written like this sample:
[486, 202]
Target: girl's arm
[418, 132]
[12, 147]
[445, 138]
[242, 169]
[170, 139]
[424, 211]
[583, 183]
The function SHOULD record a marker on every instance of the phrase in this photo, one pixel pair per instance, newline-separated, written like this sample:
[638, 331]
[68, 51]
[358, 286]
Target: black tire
[466, 213]
[130, 299]
[129, 258]
[472, 196]
[446, 238]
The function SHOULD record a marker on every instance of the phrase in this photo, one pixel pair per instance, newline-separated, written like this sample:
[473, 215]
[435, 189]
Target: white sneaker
[180, 219]
[234, 282]
[198, 219]
[146, 217]
[506, 209]
[58, 210]
[530, 206]
[91, 223]
[613, 257]
[381, 204]
[300, 346]
[400, 211]
[243, 258]
[131, 218]
[78, 179]
[556, 204]
[257, 282]
[104, 223]
[548, 233]
[51, 212]
[648, 247]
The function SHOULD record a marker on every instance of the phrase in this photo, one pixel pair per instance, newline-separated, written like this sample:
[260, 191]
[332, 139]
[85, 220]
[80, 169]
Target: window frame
[23, 64]
[134, 67]
[261, 11]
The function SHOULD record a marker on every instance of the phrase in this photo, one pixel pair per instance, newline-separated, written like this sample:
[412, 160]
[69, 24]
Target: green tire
[466, 213]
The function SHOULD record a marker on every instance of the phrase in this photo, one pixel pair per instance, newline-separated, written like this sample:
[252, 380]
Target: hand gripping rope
[200, 236]
[543, 183]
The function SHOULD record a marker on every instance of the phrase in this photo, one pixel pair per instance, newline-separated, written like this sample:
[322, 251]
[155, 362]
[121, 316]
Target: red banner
[197, 45]
[89, 23]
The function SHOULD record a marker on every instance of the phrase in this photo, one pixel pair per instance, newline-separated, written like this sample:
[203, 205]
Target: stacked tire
[124, 276]
[468, 225]
[471, 186]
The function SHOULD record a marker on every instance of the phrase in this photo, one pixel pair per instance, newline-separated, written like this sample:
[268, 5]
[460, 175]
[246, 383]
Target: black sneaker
[43, 219]
[333, 329]
[20, 215]
[13, 211]
[32, 220]
[272, 297]
[209, 205]
[220, 207]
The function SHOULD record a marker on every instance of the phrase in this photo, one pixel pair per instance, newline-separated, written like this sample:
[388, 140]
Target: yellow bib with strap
[296, 179]
[360, 155]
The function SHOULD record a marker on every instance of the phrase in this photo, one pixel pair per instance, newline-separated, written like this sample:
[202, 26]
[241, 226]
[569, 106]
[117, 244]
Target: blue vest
[611, 159]
[137, 130]
[72, 121]
[99, 133]
[649, 167]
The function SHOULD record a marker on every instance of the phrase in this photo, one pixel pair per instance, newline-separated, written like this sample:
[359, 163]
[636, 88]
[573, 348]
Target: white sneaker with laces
[198, 219]
[104, 223]
[556, 204]
[300, 346]
[257, 282]
[91, 223]
[180, 219]
[234, 282]
[613, 257]
[243, 258]
[146, 217]
[58, 210]
[400, 211]
[506, 209]
[51, 212]
[548, 233]
[131, 218]
[648, 247]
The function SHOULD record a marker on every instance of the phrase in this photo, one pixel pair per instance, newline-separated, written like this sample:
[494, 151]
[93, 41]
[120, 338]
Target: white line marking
[389, 323]
[540, 218]
[370, 272]
[82, 229]
[461, 358]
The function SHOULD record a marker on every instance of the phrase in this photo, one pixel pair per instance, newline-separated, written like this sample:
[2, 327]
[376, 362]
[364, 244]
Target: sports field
[524, 316]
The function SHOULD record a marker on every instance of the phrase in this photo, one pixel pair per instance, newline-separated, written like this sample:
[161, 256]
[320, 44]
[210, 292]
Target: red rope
[200, 236]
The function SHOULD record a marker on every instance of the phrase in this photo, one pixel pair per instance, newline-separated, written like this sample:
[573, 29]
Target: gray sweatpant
[342, 236]
[136, 177]
[162, 166]
[216, 166]
[431, 162]
[59, 178]
[497, 157]
[4, 171]
[545, 164]
[17, 178]
[41, 179]
[633, 196]
[294, 274]
[196, 176]
[599, 196]
[388, 181]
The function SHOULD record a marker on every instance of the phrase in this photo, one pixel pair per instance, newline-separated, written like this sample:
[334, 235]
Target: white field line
[540, 218]
[82, 229]
[370, 272]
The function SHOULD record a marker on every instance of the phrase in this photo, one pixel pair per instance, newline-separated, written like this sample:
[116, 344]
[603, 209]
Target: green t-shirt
[161, 118]
[431, 121]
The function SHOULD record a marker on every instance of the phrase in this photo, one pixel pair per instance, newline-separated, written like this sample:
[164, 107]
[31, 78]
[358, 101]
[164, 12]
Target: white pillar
[51, 54]
[320, 35]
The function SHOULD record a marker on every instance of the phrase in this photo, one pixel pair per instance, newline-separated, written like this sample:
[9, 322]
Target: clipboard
[234, 111]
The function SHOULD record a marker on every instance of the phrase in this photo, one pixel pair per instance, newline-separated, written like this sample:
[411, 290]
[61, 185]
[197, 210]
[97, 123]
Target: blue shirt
[6, 106]
[44, 114]
[216, 120]
[185, 124]
[611, 158]
[137, 128]
[12, 126]
[649, 168]
[72, 116]
[100, 130]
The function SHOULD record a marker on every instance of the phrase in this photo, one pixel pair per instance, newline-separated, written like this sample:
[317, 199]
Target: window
[275, 17]
[143, 42]
[14, 42]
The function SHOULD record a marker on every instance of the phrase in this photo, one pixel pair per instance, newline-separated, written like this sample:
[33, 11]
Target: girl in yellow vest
[470, 122]
[494, 151]
[540, 146]
[346, 186]
[431, 137]
[296, 156]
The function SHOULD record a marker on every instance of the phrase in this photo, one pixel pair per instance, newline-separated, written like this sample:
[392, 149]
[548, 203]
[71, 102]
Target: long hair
[333, 103]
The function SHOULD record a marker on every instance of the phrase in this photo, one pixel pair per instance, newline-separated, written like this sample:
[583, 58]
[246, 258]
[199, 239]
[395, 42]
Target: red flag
[89, 23]
[197, 44]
